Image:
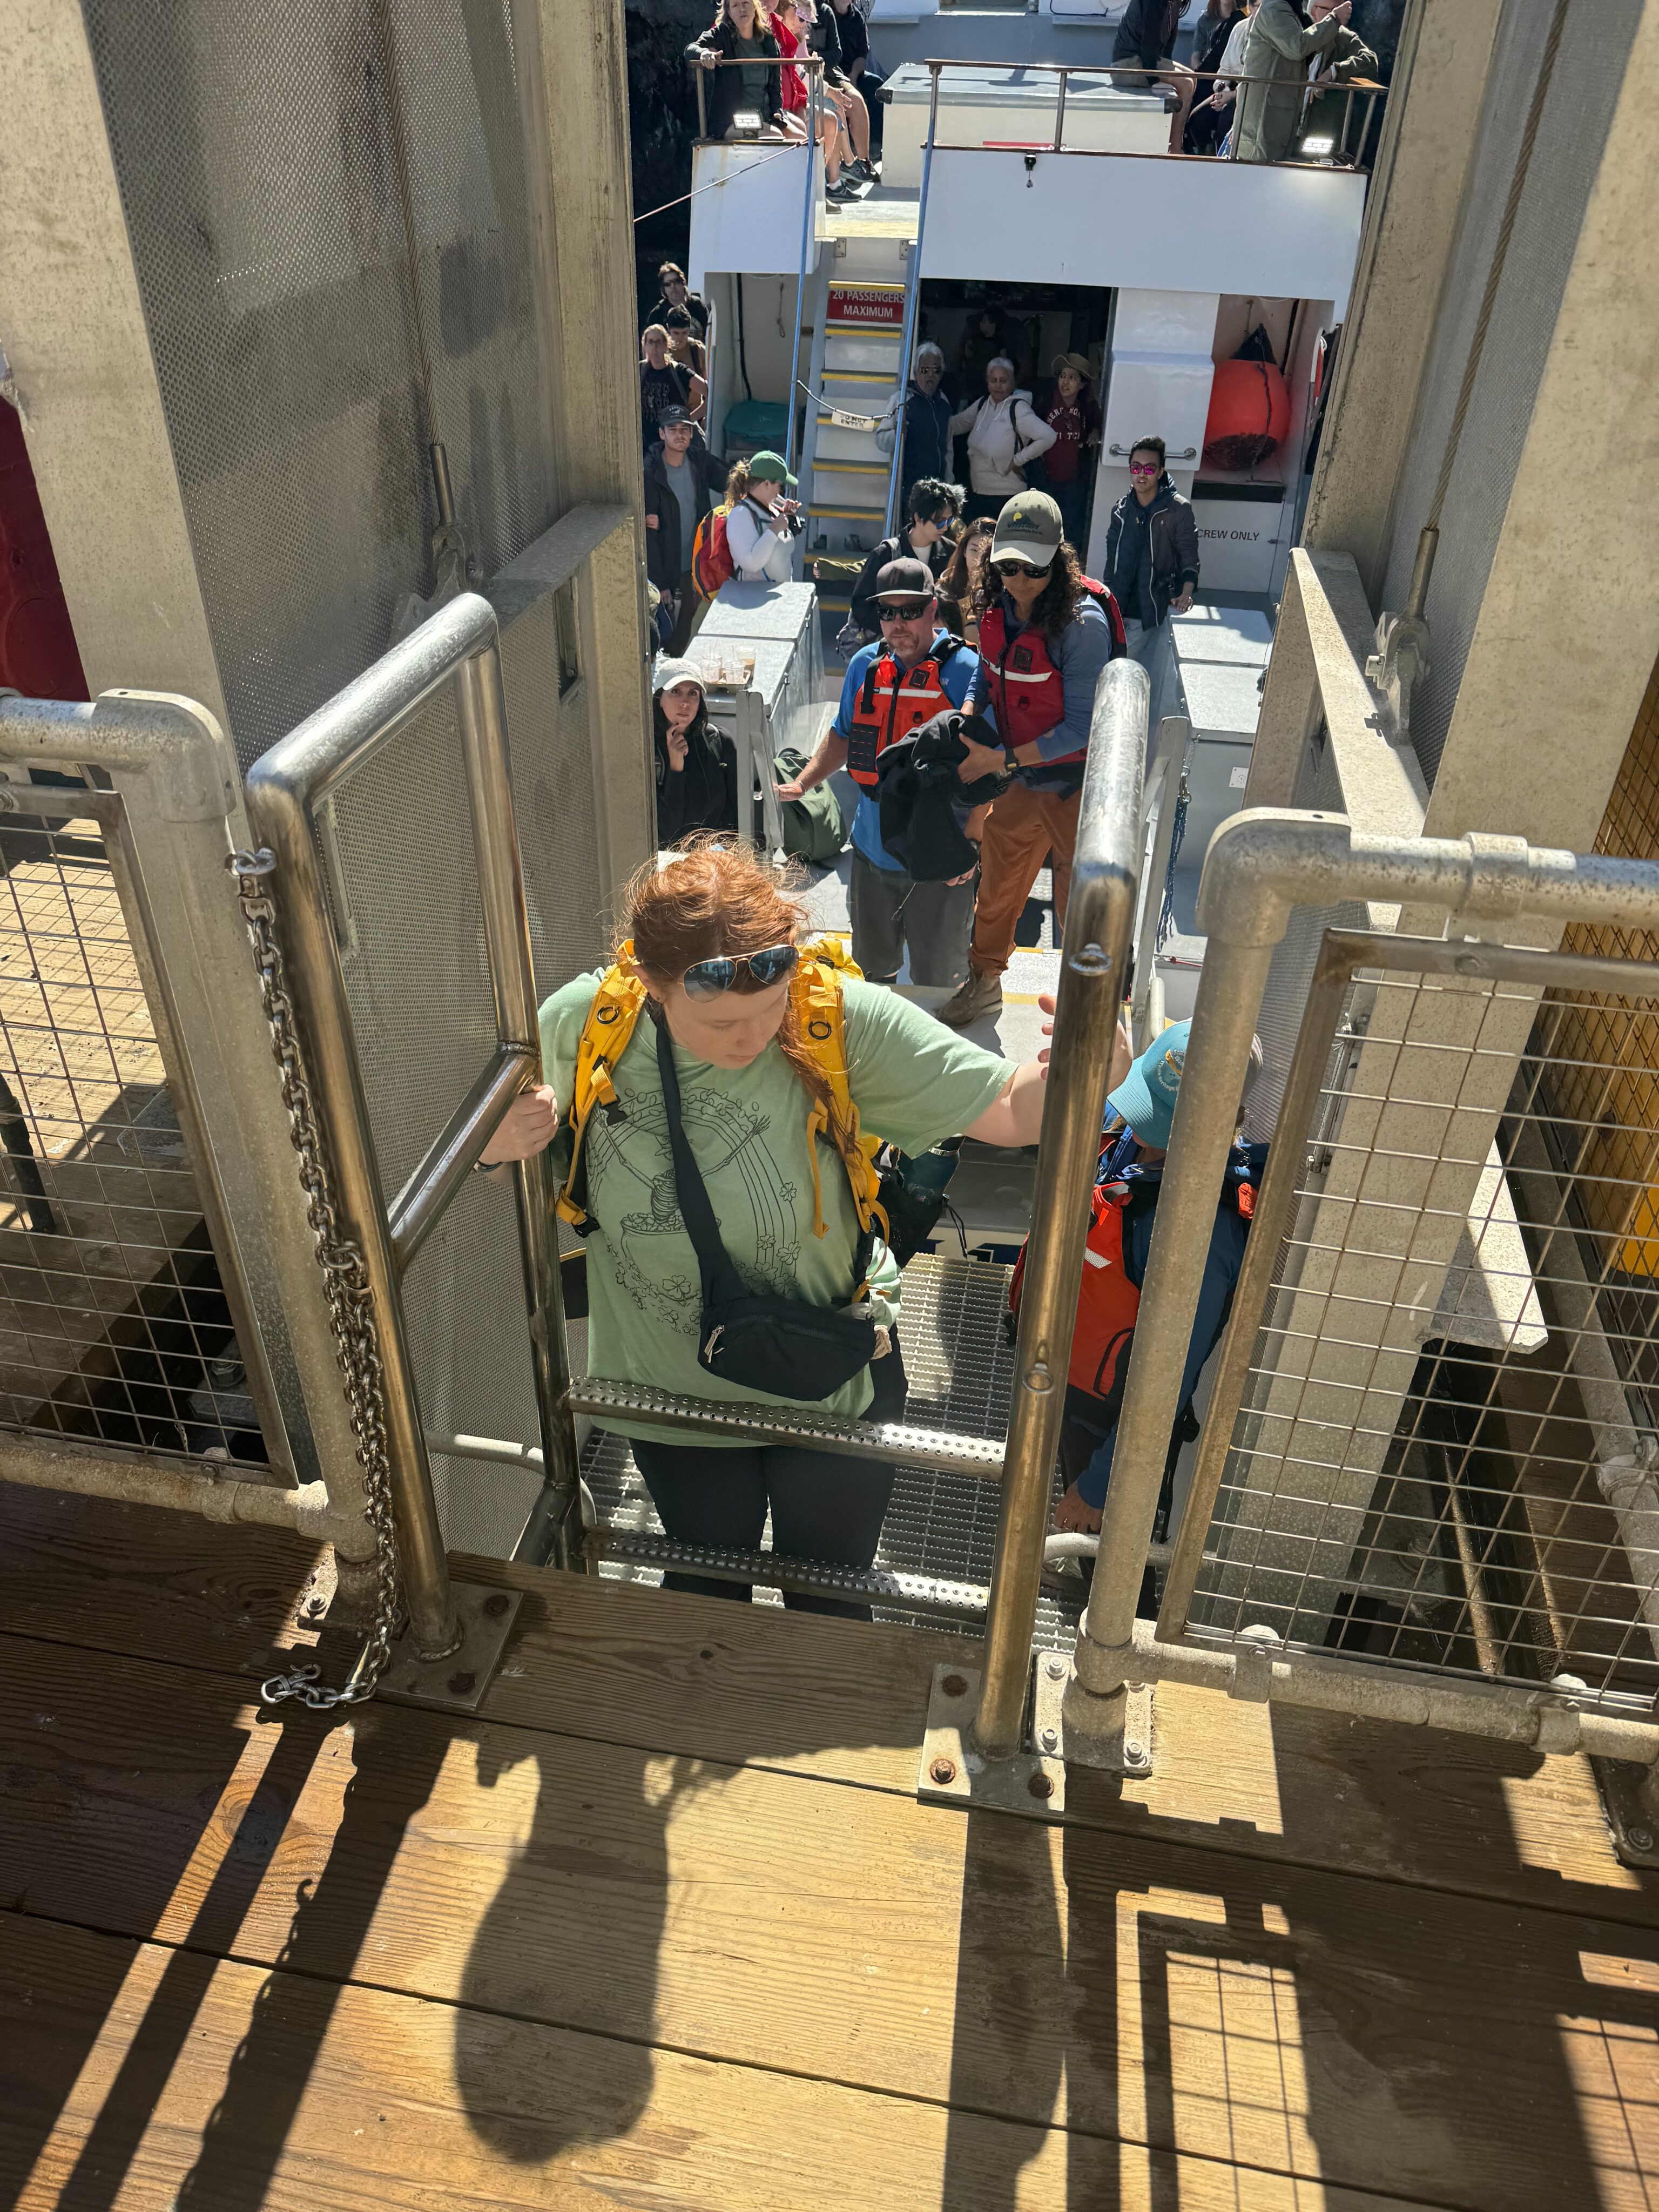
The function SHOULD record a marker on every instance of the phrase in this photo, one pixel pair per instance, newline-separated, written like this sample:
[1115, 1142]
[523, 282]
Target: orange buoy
[1250, 414]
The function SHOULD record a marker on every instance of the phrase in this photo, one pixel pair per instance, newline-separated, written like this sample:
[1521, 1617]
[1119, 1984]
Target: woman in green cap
[765, 522]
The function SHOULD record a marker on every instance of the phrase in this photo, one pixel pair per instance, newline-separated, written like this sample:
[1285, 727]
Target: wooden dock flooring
[664, 1927]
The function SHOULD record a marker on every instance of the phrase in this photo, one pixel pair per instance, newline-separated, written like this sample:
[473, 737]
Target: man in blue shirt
[913, 671]
[1141, 1110]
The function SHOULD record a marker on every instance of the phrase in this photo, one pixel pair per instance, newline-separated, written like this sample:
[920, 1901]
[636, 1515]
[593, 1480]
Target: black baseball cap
[905, 580]
[671, 415]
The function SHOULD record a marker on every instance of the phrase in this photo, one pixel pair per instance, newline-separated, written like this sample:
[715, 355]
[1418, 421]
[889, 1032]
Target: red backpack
[712, 564]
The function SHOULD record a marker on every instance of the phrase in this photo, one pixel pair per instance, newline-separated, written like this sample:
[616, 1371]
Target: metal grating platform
[960, 1371]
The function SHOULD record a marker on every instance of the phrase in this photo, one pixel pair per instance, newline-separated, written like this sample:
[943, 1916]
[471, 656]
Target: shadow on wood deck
[664, 1927]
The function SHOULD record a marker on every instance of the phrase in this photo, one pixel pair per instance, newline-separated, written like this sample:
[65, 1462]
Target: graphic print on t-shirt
[729, 1140]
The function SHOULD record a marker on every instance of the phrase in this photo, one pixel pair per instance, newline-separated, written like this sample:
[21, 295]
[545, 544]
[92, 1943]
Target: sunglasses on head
[707, 979]
[904, 609]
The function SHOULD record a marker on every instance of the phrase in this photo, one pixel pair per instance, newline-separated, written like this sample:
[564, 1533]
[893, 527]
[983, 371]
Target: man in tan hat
[1075, 417]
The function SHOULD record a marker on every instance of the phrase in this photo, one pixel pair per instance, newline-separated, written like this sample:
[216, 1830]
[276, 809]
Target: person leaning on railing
[1146, 37]
[1293, 50]
[823, 38]
[708, 965]
[741, 31]
[790, 31]
[1206, 118]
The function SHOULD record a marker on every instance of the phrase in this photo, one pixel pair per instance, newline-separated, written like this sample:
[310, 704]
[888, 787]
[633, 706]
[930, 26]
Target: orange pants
[1023, 828]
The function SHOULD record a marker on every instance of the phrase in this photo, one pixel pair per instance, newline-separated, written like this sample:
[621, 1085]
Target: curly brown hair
[1059, 598]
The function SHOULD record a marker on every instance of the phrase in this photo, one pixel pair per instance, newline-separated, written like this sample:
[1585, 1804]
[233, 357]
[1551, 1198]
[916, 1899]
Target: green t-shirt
[912, 1081]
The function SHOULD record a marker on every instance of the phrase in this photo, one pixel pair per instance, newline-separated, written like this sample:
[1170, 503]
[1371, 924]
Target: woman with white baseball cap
[696, 768]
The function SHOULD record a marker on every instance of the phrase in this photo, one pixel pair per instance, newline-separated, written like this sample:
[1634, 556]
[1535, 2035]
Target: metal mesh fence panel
[417, 978]
[1509, 1526]
[113, 1328]
[255, 153]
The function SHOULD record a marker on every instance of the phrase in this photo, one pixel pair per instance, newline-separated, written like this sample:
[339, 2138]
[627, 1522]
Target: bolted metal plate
[1626, 1791]
[457, 1684]
[1126, 1749]
[952, 1771]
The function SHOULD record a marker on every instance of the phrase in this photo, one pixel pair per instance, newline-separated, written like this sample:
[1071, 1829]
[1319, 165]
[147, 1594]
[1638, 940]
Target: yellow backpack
[815, 992]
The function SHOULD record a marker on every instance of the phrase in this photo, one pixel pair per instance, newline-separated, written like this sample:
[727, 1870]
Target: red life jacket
[1108, 1303]
[1028, 693]
[892, 701]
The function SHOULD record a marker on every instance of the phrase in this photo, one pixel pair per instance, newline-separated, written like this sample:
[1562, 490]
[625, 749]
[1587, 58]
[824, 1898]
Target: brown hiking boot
[979, 995]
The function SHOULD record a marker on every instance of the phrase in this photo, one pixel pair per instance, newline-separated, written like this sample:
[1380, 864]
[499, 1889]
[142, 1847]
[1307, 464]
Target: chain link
[350, 1300]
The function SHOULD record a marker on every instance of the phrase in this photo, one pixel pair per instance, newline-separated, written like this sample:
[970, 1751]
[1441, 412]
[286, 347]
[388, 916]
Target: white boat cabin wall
[1176, 261]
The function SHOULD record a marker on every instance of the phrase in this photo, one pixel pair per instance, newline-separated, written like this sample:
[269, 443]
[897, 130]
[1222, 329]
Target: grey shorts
[891, 910]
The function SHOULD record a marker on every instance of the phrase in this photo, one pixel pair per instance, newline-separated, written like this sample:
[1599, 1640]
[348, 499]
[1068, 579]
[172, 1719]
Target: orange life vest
[891, 702]
[1028, 693]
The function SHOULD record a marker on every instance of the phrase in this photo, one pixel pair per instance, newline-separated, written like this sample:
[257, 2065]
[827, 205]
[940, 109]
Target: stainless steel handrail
[1099, 920]
[420, 1205]
[912, 309]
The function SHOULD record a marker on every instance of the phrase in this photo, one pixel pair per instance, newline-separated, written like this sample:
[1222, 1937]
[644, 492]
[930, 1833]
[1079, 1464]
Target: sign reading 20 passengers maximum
[880, 310]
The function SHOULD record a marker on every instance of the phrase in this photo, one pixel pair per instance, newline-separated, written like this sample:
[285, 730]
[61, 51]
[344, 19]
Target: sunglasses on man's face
[905, 610]
[1143, 468]
[708, 978]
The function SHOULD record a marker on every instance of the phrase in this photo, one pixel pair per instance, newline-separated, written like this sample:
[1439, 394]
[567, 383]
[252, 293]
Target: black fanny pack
[781, 1346]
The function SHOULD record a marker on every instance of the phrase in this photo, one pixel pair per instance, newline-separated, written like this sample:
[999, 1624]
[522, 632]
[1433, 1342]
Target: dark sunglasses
[1024, 567]
[904, 609]
[708, 978]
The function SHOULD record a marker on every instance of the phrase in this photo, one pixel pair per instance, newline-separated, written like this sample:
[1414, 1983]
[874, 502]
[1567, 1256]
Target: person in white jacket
[1004, 432]
[765, 522]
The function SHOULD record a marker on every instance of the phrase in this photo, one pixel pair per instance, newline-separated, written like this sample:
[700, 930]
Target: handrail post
[809, 207]
[1060, 110]
[702, 103]
[512, 974]
[1100, 915]
[912, 308]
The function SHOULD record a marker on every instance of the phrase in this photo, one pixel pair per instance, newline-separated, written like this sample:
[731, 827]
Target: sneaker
[979, 995]
[859, 170]
[840, 191]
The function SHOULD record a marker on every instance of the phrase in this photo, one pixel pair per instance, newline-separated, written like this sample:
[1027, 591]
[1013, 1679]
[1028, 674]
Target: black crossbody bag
[781, 1346]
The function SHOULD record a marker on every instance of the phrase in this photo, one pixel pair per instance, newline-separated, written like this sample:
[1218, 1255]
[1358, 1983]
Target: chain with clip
[350, 1302]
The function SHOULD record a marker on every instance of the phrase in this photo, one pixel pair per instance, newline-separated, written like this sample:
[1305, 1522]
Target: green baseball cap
[1030, 526]
[774, 465]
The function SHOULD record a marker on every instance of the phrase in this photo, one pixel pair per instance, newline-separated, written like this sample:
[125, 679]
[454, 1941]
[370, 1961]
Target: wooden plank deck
[664, 1926]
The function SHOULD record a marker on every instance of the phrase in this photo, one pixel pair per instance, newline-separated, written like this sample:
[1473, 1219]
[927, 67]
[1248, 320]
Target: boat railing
[1344, 147]
[1341, 152]
[1348, 145]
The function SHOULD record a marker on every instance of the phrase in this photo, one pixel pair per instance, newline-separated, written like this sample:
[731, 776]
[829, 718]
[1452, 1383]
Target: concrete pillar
[1429, 143]
[576, 114]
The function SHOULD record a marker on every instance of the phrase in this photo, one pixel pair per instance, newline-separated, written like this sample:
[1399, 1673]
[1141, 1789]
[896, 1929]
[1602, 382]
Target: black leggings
[825, 1505]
